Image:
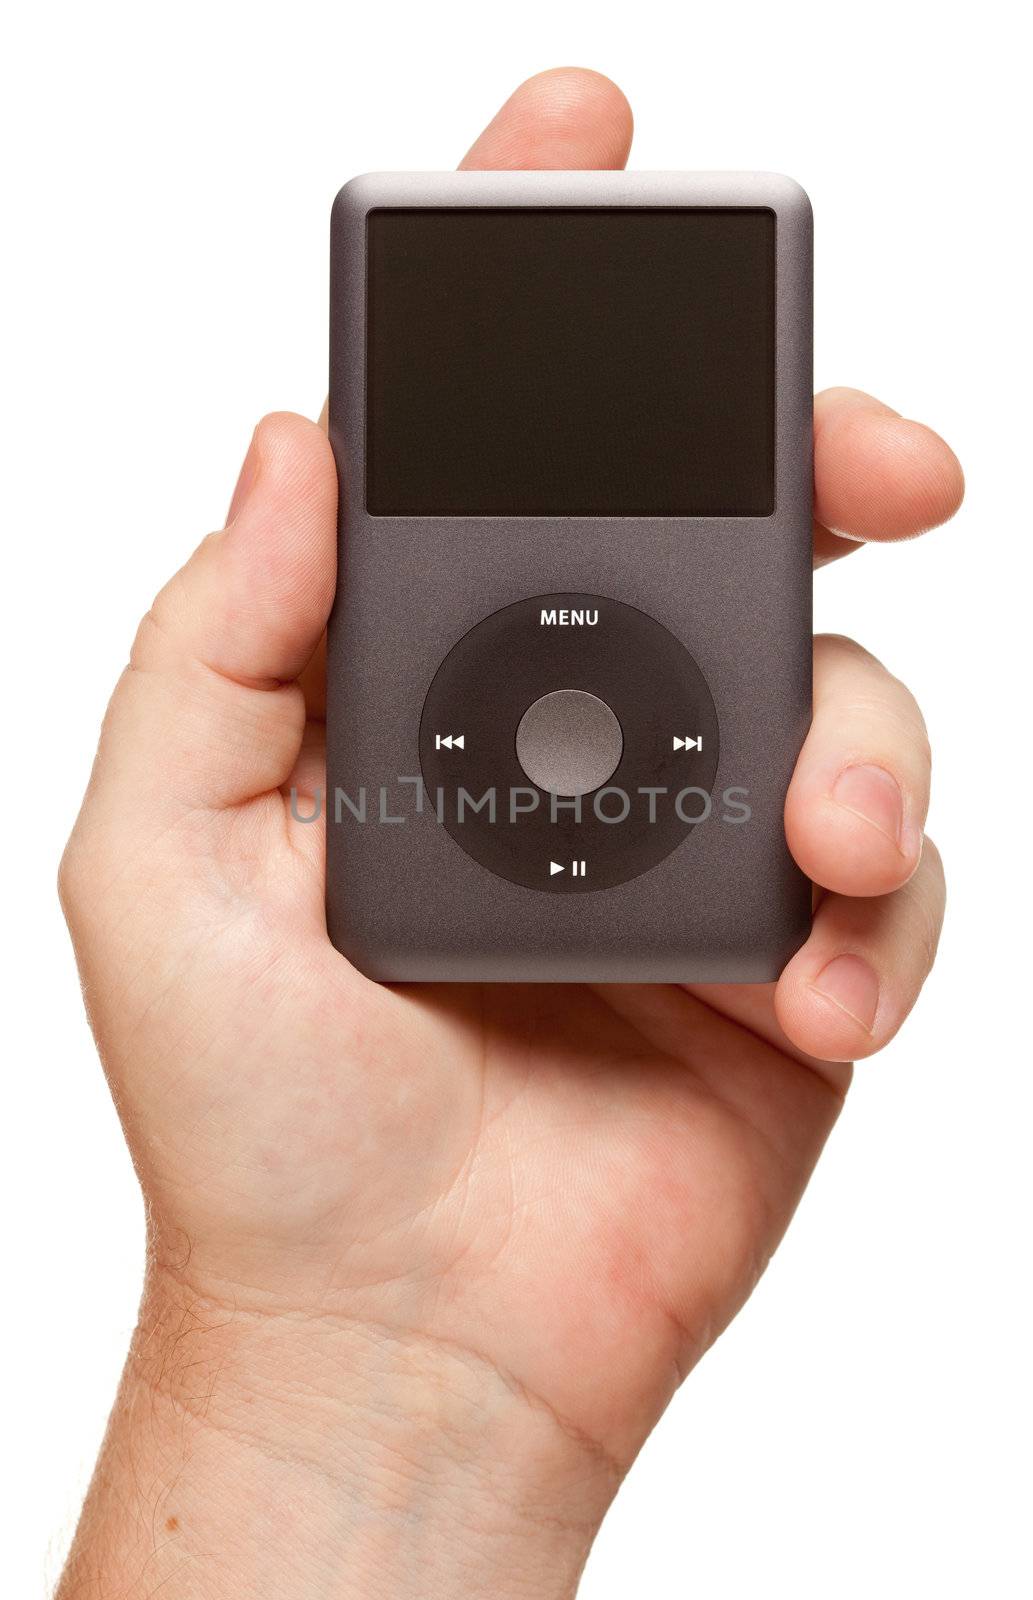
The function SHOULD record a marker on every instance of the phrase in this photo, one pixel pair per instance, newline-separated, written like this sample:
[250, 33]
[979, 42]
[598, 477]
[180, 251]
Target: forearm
[250, 1456]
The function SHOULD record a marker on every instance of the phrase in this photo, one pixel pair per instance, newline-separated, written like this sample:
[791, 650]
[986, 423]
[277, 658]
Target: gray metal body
[405, 901]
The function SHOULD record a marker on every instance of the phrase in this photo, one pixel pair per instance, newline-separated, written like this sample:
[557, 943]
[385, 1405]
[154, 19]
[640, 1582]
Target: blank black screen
[570, 362]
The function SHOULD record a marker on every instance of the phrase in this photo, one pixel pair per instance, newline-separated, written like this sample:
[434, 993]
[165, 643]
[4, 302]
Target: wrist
[284, 1454]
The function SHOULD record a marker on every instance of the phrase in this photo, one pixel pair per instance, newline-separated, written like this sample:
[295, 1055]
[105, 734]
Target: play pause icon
[577, 869]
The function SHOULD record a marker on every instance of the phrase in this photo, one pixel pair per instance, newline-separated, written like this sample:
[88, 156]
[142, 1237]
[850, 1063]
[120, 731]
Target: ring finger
[857, 801]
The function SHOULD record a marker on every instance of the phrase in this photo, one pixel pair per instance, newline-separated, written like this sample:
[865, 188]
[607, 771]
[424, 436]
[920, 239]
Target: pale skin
[426, 1264]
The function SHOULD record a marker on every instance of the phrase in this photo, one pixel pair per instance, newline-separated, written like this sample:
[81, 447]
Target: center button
[569, 742]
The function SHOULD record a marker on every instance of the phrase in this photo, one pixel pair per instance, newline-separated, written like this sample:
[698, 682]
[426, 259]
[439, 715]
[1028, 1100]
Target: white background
[863, 1429]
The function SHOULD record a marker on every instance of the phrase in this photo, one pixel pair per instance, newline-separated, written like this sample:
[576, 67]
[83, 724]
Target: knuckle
[72, 873]
[910, 712]
[149, 639]
[935, 880]
[863, 696]
[839, 649]
[166, 624]
[926, 893]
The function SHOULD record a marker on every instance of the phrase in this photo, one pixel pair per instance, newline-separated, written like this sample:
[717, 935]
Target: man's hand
[426, 1264]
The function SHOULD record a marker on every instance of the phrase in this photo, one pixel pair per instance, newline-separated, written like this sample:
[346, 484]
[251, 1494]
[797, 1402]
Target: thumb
[208, 713]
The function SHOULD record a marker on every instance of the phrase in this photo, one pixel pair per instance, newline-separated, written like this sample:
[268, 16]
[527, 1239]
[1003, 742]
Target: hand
[426, 1264]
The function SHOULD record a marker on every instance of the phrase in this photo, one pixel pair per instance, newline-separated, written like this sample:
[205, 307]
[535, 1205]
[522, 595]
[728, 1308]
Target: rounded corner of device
[789, 197]
[355, 197]
[796, 937]
[360, 951]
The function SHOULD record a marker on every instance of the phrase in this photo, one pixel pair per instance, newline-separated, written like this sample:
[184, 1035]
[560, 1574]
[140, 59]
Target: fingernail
[852, 985]
[248, 473]
[872, 793]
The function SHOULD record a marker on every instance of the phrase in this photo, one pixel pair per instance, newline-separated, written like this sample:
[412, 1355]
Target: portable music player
[569, 659]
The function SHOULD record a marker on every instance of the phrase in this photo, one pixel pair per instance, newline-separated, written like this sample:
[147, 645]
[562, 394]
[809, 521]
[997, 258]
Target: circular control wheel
[569, 742]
